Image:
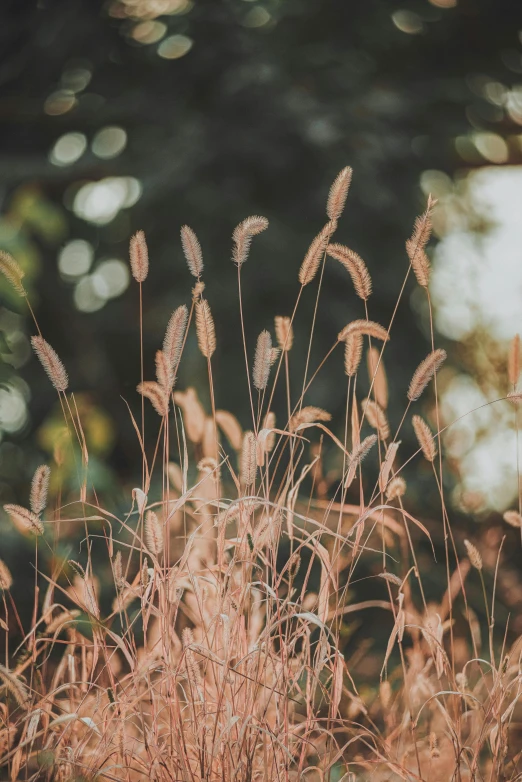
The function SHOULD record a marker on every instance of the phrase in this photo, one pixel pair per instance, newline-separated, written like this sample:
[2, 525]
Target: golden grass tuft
[216, 623]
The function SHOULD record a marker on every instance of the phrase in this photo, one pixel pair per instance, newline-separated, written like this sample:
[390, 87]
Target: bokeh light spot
[100, 202]
[109, 142]
[407, 22]
[256, 17]
[13, 409]
[111, 278]
[492, 147]
[75, 259]
[59, 102]
[76, 79]
[86, 297]
[68, 149]
[175, 46]
[149, 32]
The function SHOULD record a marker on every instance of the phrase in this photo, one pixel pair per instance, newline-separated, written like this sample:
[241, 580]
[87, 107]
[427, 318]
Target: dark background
[251, 120]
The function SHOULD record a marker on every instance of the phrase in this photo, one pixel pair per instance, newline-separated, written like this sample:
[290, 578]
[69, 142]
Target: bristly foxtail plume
[6, 579]
[12, 272]
[513, 518]
[376, 417]
[24, 519]
[192, 251]
[368, 327]
[284, 332]
[308, 415]
[314, 254]
[39, 489]
[357, 456]
[174, 336]
[424, 373]
[156, 394]
[473, 554]
[355, 266]
[205, 328]
[139, 256]
[263, 360]
[425, 438]
[243, 235]
[51, 363]
[338, 193]
[352, 353]
[416, 244]
[164, 372]
[249, 459]
[153, 533]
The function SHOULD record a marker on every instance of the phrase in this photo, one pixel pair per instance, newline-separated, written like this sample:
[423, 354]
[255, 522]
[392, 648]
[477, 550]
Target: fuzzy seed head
[513, 518]
[12, 272]
[174, 338]
[308, 415]
[192, 251]
[376, 417]
[314, 255]
[355, 266]
[139, 257]
[6, 579]
[243, 235]
[24, 519]
[156, 394]
[284, 332]
[424, 373]
[473, 554]
[353, 347]
[338, 193]
[205, 328]
[153, 533]
[39, 489]
[248, 459]
[416, 244]
[425, 438]
[262, 361]
[396, 488]
[51, 363]
[368, 327]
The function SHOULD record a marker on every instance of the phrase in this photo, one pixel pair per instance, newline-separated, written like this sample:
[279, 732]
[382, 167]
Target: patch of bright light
[100, 202]
[175, 46]
[68, 149]
[492, 147]
[13, 409]
[407, 22]
[256, 17]
[149, 31]
[86, 297]
[490, 468]
[477, 280]
[477, 288]
[59, 102]
[75, 258]
[111, 278]
[76, 79]
[109, 142]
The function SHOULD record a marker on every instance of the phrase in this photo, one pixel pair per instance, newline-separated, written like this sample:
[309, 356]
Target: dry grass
[216, 653]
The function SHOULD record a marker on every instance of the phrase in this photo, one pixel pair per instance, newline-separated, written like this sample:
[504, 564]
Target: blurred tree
[153, 113]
